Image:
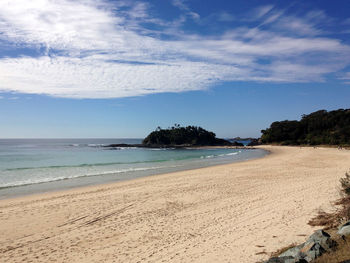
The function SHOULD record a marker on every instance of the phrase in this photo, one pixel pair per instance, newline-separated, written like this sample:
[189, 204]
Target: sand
[227, 213]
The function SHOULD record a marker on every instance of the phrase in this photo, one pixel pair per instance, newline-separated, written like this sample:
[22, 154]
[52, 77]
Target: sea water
[39, 165]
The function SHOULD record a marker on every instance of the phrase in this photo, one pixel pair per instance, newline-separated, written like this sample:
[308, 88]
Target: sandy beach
[227, 213]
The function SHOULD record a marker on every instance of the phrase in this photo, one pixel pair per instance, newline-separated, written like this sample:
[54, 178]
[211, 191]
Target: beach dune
[229, 213]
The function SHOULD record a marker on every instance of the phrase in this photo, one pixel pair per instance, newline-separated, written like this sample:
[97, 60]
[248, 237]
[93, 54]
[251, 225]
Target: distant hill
[188, 136]
[320, 127]
[243, 139]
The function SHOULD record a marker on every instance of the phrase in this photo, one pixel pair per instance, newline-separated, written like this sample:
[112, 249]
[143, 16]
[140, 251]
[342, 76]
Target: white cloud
[90, 78]
[57, 24]
[99, 50]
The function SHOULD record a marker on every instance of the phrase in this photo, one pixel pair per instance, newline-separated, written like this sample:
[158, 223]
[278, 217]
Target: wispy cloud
[345, 77]
[97, 49]
[181, 4]
[347, 21]
[225, 17]
[260, 11]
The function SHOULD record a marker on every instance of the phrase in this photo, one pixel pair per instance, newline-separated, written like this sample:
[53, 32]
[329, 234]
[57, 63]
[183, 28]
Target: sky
[119, 69]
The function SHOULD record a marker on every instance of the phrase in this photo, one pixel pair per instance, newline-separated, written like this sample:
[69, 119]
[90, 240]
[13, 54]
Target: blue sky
[93, 68]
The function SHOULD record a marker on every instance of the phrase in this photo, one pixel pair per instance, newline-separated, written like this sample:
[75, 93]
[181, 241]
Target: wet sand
[228, 213]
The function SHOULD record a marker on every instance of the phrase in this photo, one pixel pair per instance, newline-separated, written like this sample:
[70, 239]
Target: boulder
[323, 238]
[239, 144]
[254, 142]
[287, 259]
[344, 230]
[292, 252]
[318, 243]
[311, 250]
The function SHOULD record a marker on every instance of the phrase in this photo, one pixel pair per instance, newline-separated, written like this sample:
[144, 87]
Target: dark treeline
[320, 127]
[177, 135]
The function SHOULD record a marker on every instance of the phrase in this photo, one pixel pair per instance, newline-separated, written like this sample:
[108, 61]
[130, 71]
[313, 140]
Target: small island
[180, 137]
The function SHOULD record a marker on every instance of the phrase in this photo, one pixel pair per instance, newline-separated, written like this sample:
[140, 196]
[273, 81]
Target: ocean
[39, 165]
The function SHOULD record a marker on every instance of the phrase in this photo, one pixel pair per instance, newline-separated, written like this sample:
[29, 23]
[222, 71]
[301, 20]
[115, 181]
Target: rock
[287, 259]
[344, 230]
[318, 243]
[237, 144]
[323, 238]
[311, 250]
[254, 142]
[293, 252]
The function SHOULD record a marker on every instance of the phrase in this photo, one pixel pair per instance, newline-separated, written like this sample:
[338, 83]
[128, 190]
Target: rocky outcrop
[239, 144]
[254, 142]
[292, 252]
[287, 259]
[317, 244]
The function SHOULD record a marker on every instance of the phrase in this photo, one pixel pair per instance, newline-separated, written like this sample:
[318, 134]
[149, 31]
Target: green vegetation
[177, 135]
[320, 127]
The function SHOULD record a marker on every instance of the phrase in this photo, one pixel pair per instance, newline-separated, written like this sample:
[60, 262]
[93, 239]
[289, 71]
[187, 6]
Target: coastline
[232, 212]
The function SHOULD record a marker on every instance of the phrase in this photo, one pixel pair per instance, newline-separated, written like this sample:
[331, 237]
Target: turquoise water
[37, 165]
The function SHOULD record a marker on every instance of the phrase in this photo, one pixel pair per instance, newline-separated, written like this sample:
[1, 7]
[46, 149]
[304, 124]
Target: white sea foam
[37, 180]
[219, 155]
[235, 153]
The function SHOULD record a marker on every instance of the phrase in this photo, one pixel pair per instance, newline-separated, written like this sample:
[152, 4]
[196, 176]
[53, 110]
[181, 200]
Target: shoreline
[233, 212]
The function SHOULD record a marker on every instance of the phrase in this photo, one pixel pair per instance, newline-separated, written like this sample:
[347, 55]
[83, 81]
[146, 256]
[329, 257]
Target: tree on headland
[320, 127]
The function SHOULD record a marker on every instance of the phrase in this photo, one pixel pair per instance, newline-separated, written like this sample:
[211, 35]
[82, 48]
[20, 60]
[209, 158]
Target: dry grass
[345, 184]
[332, 220]
[327, 220]
[282, 250]
[344, 212]
[341, 254]
[341, 214]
